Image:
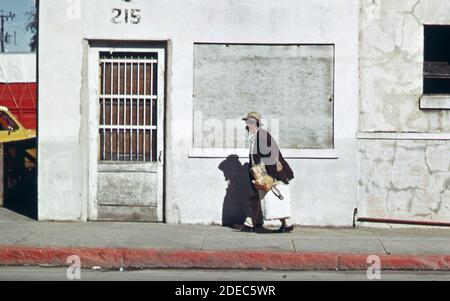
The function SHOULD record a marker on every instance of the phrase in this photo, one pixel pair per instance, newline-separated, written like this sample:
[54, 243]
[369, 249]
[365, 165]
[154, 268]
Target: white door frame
[93, 124]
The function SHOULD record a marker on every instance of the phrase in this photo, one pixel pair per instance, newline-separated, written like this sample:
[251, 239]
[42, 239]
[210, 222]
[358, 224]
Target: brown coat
[266, 150]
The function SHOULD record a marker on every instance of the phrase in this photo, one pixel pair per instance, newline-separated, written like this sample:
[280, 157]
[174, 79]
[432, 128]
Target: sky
[18, 25]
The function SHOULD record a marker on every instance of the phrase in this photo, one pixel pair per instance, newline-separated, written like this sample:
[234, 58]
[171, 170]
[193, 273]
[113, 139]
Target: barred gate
[128, 107]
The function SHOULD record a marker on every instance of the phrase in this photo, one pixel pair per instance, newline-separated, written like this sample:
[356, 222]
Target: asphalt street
[60, 274]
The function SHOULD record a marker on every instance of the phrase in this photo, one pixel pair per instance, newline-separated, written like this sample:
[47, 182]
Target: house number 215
[126, 16]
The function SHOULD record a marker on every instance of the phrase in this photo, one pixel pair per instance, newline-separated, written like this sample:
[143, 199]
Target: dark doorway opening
[436, 78]
[20, 178]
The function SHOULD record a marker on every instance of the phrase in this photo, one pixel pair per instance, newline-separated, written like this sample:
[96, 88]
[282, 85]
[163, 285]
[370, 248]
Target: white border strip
[403, 136]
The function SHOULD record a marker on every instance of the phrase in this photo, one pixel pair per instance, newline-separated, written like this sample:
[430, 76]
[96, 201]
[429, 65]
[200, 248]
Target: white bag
[272, 207]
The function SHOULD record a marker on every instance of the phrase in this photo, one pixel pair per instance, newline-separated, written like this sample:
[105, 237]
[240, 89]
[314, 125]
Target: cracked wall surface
[400, 179]
[391, 65]
[405, 179]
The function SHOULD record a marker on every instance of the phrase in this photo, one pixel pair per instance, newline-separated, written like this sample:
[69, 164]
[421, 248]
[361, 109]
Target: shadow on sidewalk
[235, 202]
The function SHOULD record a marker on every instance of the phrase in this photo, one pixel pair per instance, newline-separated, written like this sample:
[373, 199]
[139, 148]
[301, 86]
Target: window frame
[432, 101]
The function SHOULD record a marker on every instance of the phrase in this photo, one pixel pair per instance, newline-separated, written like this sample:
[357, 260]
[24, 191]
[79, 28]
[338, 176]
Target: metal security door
[130, 135]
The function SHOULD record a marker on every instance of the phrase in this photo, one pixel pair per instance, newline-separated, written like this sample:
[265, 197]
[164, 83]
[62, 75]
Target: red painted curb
[397, 262]
[152, 258]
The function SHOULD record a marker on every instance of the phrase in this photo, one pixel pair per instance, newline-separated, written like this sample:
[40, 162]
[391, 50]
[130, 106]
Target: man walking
[264, 150]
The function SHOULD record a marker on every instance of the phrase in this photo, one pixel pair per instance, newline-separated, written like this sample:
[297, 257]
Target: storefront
[140, 105]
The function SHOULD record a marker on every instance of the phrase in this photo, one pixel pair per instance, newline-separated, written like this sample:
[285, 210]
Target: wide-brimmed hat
[253, 115]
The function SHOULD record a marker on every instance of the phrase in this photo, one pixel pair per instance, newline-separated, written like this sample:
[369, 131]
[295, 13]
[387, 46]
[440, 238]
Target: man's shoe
[284, 229]
[262, 230]
[245, 228]
[236, 227]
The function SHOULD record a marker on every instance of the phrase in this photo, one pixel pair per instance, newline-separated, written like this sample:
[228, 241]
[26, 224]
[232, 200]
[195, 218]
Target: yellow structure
[11, 129]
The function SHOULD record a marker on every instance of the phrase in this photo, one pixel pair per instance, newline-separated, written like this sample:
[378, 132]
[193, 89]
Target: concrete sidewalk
[24, 241]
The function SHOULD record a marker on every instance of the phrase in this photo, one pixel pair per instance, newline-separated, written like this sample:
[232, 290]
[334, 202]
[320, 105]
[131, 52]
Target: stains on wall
[391, 65]
[405, 179]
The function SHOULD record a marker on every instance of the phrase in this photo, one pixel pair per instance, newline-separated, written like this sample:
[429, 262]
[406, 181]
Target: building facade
[140, 105]
[404, 118]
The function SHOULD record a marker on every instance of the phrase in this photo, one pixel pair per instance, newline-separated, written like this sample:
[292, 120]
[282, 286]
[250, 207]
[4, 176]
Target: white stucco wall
[324, 191]
[392, 54]
[404, 157]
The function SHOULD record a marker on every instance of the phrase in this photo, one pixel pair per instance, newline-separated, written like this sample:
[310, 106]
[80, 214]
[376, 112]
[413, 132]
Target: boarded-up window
[290, 85]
